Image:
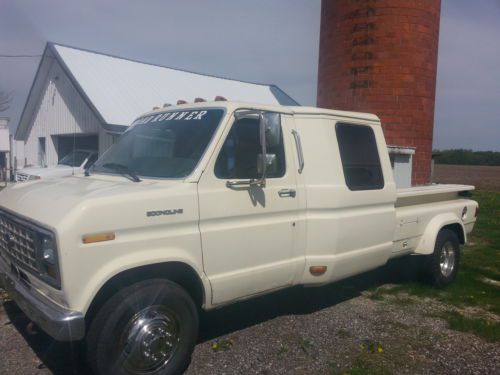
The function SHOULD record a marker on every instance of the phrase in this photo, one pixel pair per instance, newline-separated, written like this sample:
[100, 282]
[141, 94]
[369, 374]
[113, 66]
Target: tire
[441, 266]
[149, 327]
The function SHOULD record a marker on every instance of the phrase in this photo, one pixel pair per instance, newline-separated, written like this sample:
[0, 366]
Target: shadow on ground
[67, 358]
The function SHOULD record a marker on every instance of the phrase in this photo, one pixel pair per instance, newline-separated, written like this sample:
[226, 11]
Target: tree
[5, 100]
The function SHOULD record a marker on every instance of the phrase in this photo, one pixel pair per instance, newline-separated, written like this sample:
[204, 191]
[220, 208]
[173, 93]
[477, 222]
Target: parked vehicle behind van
[74, 163]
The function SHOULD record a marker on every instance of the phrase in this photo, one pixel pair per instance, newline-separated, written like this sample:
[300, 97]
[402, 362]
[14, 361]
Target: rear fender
[428, 240]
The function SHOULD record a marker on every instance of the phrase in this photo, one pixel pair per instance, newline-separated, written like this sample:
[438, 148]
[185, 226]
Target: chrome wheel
[149, 340]
[447, 259]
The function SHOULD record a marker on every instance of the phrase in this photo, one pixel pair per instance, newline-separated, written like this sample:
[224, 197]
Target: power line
[19, 56]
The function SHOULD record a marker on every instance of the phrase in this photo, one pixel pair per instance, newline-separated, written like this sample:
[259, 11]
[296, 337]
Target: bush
[466, 157]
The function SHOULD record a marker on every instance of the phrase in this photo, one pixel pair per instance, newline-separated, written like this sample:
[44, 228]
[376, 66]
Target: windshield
[74, 158]
[164, 145]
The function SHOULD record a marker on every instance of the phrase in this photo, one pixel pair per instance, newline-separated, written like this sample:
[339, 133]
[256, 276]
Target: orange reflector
[99, 237]
[317, 270]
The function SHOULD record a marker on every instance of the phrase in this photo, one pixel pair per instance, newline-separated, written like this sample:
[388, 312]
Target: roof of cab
[295, 110]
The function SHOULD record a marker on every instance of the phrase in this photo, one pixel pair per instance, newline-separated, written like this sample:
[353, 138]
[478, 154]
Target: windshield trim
[142, 177]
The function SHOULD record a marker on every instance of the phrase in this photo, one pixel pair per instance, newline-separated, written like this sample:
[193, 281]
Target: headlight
[49, 254]
[47, 258]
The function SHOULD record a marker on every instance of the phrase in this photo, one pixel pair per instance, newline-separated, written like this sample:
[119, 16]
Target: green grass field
[478, 282]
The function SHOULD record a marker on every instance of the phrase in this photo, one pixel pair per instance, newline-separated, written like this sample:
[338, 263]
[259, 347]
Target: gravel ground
[326, 330]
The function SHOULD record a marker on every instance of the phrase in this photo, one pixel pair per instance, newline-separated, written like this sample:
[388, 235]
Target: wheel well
[457, 228]
[178, 272]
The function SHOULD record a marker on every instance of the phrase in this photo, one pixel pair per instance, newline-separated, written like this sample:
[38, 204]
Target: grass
[478, 280]
[488, 330]
[308, 347]
[480, 261]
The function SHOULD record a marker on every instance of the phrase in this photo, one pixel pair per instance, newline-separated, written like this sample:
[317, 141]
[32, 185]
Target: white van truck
[76, 162]
[201, 205]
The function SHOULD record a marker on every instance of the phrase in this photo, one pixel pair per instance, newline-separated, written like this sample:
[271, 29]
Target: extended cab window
[239, 155]
[360, 159]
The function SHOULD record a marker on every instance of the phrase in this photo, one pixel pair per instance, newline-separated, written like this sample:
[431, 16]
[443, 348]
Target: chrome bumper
[56, 321]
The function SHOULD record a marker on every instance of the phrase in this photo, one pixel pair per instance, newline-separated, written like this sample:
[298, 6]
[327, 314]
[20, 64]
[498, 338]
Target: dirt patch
[482, 177]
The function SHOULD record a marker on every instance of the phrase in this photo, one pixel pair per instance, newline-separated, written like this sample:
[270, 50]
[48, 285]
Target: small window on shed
[360, 159]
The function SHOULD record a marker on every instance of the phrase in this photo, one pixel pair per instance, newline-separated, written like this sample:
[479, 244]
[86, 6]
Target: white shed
[84, 99]
[401, 162]
[4, 148]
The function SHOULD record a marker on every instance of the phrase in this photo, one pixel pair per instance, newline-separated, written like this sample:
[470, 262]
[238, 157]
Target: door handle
[287, 193]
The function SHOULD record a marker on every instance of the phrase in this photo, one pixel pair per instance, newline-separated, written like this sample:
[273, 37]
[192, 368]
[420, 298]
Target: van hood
[49, 202]
[58, 170]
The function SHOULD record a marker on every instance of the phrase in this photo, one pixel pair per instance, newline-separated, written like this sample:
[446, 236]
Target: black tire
[119, 343]
[441, 266]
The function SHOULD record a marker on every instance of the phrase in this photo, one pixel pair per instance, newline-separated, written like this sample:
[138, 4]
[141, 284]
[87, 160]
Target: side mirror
[272, 129]
[271, 164]
[270, 136]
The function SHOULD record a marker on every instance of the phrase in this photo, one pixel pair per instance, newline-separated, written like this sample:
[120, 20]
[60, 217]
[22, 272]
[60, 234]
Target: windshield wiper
[123, 169]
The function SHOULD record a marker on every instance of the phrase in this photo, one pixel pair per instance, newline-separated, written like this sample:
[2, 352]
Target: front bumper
[56, 321]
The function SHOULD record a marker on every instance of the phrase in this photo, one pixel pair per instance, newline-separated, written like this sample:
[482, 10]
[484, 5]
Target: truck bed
[417, 206]
[432, 189]
[429, 193]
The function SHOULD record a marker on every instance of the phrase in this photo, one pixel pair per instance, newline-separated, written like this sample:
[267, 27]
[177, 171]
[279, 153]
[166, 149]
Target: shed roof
[119, 89]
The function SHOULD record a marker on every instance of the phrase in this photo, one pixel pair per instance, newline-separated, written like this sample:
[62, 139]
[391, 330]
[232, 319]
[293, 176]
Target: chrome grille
[21, 177]
[18, 242]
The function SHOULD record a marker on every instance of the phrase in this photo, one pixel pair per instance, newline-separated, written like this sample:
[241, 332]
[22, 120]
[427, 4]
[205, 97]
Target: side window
[360, 159]
[239, 154]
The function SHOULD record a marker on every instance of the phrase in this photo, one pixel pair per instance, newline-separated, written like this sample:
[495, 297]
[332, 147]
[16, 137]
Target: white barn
[5, 155]
[85, 99]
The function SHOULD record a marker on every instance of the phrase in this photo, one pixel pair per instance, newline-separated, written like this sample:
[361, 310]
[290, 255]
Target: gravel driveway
[328, 330]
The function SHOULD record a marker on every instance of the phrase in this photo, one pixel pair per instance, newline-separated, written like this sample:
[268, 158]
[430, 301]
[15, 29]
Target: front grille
[18, 242]
[21, 177]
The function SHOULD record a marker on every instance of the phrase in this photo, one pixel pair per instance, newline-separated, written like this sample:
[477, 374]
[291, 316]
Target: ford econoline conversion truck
[200, 205]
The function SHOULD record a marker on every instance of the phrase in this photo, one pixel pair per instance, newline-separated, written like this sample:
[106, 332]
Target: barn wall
[18, 153]
[105, 141]
[61, 110]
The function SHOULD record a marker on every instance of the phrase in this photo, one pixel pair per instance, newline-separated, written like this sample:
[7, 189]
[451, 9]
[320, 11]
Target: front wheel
[150, 328]
[442, 265]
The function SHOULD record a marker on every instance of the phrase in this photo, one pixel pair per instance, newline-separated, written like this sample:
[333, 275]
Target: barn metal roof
[119, 89]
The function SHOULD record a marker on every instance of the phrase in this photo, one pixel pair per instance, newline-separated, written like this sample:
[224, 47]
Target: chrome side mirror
[270, 136]
[270, 164]
[272, 129]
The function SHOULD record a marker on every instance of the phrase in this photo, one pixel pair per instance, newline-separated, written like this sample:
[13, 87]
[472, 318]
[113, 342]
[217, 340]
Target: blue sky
[259, 40]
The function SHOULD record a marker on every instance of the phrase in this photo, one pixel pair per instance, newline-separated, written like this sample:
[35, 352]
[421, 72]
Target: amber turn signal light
[317, 270]
[99, 237]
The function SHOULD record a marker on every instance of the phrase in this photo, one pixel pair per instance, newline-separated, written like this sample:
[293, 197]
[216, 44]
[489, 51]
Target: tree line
[466, 157]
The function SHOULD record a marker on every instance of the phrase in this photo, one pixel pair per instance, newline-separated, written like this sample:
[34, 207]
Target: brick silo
[380, 56]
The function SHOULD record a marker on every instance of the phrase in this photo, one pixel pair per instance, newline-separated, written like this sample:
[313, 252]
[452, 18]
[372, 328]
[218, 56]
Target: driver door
[248, 231]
